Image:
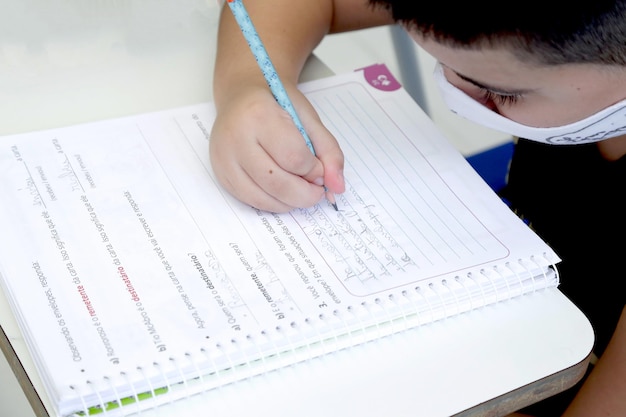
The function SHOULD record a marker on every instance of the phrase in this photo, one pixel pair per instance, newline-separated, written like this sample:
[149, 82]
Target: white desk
[108, 60]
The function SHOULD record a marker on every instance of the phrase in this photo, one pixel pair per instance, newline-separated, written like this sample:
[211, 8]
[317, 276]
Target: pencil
[270, 74]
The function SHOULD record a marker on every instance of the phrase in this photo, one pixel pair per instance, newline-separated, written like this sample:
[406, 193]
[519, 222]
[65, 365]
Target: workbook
[137, 280]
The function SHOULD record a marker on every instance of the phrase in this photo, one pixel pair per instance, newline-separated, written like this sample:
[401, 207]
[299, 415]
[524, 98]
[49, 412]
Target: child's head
[548, 32]
[558, 64]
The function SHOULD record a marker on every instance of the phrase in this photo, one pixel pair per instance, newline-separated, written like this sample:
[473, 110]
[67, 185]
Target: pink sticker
[378, 76]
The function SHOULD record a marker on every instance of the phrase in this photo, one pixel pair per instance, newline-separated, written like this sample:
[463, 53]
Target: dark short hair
[549, 32]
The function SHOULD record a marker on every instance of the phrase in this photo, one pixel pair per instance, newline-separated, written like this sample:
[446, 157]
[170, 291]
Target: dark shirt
[575, 200]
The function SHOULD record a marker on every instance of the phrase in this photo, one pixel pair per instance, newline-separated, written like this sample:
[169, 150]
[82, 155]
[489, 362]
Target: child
[553, 75]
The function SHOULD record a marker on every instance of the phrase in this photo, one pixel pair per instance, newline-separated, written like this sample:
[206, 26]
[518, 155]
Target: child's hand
[260, 157]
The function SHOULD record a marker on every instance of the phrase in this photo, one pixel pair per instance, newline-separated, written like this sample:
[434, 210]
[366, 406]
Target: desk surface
[491, 361]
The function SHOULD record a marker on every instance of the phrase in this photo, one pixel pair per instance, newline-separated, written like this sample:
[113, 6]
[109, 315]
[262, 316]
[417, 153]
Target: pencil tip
[331, 199]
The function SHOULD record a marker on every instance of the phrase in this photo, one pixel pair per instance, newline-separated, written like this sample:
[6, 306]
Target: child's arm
[604, 391]
[256, 151]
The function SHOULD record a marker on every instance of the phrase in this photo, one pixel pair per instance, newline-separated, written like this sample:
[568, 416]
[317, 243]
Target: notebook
[137, 280]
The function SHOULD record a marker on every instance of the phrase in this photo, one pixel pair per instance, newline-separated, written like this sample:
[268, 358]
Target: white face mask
[605, 124]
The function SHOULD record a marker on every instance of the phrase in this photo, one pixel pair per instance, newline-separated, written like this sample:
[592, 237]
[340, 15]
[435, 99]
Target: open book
[137, 280]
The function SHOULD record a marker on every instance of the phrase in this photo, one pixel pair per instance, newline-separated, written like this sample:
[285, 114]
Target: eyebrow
[491, 88]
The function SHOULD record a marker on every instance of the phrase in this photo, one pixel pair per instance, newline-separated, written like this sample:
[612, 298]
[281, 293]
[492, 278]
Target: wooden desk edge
[22, 377]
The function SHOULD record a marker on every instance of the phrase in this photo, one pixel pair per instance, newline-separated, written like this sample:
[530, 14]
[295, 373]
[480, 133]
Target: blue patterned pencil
[270, 74]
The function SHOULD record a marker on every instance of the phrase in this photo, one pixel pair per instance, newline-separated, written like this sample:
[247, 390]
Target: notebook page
[129, 267]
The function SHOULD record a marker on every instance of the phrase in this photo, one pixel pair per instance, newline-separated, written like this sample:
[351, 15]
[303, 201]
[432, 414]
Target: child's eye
[499, 99]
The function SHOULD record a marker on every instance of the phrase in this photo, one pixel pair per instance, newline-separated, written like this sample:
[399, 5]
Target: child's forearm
[290, 30]
[603, 393]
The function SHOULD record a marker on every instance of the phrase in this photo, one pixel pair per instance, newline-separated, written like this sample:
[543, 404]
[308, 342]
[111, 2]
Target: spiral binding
[416, 311]
[212, 366]
[116, 393]
[80, 396]
[319, 337]
[152, 391]
[452, 291]
[96, 391]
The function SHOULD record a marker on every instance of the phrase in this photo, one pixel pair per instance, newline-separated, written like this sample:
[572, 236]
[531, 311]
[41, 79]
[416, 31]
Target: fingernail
[319, 181]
